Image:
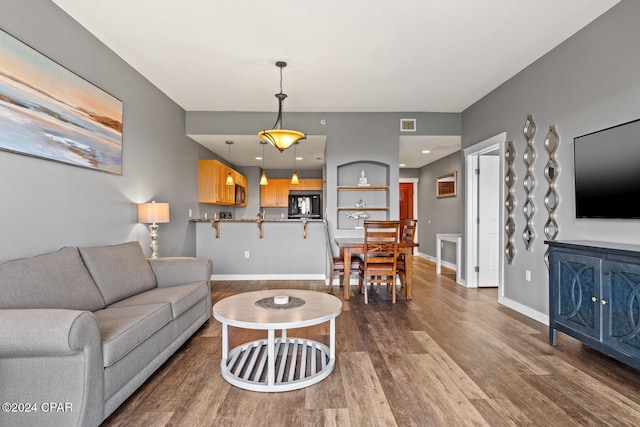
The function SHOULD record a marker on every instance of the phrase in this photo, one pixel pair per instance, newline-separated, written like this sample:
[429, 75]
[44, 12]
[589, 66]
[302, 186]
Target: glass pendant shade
[281, 138]
[294, 175]
[229, 176]
[263, 178]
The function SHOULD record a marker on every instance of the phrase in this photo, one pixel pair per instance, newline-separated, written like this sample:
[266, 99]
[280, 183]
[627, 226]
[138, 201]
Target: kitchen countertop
[252, 220]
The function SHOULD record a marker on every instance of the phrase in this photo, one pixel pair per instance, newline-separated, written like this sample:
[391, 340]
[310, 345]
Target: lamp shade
[153, 213]
[281, 138]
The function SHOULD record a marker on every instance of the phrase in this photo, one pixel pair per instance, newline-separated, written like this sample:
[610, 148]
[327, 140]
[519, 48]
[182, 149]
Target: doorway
[408, 201]
[484, 189]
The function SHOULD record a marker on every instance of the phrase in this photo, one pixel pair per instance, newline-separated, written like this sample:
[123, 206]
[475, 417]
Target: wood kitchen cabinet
[275, 194]
[307, 184]
[212, 183]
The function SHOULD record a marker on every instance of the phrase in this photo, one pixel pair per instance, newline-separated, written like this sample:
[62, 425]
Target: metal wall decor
[510, 202]
[551, 199]
[529, 182]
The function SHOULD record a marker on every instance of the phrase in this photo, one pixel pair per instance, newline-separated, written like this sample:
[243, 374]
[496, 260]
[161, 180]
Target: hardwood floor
[452, 356]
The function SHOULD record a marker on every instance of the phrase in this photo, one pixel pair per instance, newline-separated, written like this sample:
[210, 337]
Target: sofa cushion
[54, 280]
[123, 328]
[120, 271]
[181, 297]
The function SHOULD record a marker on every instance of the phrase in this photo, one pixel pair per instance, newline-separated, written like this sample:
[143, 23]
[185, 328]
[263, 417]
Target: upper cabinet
[276, 193]
[307, 184]
[212, 184]
[363, 193]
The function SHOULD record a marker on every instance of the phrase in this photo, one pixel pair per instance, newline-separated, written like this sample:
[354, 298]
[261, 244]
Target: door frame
[471, 154]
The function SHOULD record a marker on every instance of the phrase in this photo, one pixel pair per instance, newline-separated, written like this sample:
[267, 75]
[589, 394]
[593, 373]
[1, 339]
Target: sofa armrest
[51, 355]
[45, 332]
[173, 271]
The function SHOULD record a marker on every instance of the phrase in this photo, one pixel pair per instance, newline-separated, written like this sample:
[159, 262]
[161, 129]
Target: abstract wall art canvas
[47, 111]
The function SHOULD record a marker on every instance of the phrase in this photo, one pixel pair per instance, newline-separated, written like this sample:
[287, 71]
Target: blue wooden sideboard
[594, 296]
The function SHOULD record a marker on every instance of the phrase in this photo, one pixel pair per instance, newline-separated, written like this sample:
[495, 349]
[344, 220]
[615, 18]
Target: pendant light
[229, 176]
[294, 176]
[263, 178]
[278, 137]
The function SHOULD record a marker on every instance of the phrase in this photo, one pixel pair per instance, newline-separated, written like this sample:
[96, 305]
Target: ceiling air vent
[407, 125]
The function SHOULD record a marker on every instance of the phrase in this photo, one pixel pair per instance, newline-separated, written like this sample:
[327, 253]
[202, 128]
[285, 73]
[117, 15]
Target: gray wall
[409, 173]
[587, 83]
[47, 205]
[440, 215]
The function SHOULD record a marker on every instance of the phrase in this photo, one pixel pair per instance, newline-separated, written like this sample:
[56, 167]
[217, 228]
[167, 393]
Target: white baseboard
[444, 264]
[231, 277]
[434, 260]
[523, 309]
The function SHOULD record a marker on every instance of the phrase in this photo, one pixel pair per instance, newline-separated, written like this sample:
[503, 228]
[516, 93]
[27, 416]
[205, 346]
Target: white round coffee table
[283, 363]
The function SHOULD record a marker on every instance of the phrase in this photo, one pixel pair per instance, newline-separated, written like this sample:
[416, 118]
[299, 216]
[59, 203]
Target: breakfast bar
[263, 249]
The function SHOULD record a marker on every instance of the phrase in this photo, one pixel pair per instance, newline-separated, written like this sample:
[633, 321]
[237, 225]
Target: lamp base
[153, 228]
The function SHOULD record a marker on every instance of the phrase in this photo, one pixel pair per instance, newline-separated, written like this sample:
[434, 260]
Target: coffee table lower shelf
[298, 363]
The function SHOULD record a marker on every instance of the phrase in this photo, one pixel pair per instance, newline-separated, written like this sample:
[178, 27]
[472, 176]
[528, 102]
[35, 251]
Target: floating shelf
[362, 188]
[381, 208]
[373, 198]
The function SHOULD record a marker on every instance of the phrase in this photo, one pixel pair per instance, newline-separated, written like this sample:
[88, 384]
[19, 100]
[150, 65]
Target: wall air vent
[407, 125]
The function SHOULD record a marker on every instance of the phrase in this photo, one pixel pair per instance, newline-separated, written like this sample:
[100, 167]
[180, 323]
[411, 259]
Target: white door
[488, 221]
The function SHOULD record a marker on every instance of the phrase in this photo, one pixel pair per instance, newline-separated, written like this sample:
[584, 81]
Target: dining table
[350, 246]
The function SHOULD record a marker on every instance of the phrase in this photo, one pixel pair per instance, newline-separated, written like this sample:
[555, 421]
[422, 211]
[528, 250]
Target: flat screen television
[607, 172]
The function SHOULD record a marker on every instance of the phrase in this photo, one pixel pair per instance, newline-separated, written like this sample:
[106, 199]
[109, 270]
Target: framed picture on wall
[47, 111]
[446, 185]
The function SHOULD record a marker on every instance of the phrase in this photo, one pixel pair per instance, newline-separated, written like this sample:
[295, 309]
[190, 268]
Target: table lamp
[153, 213]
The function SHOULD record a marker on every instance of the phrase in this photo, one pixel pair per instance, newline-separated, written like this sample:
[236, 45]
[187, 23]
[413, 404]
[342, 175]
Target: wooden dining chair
[380, 257]
[407, 236]
[336, 262]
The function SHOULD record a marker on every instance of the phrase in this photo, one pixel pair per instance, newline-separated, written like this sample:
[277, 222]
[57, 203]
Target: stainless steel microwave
[241, 195]
[305, 206]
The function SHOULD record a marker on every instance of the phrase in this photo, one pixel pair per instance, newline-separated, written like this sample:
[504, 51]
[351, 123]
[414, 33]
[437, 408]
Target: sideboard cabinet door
[621, 309]
[577, 293]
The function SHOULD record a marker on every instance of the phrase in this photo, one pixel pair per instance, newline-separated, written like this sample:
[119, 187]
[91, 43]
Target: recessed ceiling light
[258, 158]
[402, 165]
[298, 158]
[426, 151]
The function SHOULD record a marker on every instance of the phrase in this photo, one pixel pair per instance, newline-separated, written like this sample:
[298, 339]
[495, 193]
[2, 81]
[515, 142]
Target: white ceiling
[342, 55]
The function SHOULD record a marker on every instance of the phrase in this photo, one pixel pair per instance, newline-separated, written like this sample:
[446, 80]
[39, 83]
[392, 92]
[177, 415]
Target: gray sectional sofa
[82, 328]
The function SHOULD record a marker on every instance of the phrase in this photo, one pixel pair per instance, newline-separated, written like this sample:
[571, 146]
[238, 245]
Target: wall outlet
[246, 254]
[527, 275]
